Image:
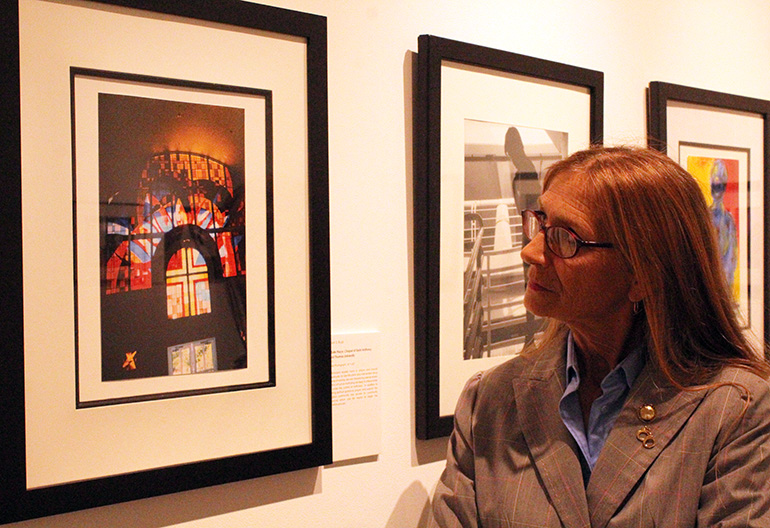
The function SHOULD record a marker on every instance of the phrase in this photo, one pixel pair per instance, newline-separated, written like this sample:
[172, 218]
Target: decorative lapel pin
[644, 435]
[646, 413]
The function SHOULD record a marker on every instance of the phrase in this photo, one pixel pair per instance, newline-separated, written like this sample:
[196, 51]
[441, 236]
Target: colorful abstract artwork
[718, 178]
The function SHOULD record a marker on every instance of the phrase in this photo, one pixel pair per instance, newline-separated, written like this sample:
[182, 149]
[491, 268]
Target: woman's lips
[536, 286]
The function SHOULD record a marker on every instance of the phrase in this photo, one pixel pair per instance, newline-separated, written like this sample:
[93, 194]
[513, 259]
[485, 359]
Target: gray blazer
[512, 463]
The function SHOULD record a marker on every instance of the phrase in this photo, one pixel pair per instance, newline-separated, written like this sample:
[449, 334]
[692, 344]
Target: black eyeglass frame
[540, 216]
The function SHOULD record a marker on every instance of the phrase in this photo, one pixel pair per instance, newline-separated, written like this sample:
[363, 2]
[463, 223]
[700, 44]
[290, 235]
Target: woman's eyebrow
[554, 215]
[557, 219]
[541, 208]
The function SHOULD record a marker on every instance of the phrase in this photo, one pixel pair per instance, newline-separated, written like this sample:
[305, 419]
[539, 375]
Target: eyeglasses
[561, 241]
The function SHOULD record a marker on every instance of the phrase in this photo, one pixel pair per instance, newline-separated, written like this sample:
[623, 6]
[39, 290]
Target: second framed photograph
[723, 140]
[488, 123]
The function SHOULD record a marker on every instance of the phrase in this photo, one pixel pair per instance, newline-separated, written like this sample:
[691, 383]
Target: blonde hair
[654, 213]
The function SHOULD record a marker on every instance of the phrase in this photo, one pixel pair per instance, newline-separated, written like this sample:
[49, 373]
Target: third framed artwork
[723, 140]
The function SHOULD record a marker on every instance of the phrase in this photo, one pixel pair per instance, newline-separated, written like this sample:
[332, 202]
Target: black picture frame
[433, 52]
[18, 500]
[661, 97]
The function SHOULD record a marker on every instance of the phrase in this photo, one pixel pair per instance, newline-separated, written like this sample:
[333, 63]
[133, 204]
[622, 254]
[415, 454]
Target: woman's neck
[597, 354]
[599, 350]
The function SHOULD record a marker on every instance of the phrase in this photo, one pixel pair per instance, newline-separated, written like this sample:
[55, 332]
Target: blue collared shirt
[604, 410]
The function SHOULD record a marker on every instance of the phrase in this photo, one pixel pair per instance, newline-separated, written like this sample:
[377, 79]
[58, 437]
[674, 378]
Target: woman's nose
[534, 253]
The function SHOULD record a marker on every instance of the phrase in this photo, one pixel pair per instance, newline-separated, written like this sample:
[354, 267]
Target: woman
[644, 404]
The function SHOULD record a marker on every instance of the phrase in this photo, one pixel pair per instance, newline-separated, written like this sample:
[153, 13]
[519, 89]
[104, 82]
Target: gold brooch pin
[646, 413]
[644, 435]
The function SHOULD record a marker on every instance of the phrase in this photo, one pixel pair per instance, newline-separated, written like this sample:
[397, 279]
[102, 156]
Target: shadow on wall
[429, 451]
[412, 508]
[188, 506]
[434, 450]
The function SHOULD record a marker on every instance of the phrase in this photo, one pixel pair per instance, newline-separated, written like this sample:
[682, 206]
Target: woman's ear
[636, 292]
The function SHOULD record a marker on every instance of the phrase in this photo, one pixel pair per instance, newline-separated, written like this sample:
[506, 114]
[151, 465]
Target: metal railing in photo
[495, 320]
[473, 308]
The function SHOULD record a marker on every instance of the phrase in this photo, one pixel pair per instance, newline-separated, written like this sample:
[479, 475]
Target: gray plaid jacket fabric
[512, 463]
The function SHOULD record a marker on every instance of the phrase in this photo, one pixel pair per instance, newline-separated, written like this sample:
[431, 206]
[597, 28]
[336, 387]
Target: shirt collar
[629, 367]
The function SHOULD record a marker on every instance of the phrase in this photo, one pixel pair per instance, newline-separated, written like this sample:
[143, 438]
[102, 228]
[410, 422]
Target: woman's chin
[535, 305]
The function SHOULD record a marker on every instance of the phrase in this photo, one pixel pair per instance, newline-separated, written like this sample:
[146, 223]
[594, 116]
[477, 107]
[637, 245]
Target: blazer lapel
[623, 459]
[554, 451]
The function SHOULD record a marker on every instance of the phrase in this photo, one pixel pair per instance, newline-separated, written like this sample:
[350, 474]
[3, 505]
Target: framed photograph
[488, 123]
[723, 141]
[182, 213]
[165, 262]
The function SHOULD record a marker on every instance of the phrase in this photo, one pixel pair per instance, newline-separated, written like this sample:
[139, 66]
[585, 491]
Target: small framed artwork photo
[488, 123]
[723, 140]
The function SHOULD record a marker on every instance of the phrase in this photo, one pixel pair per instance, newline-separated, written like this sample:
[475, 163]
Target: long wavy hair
[654, 213]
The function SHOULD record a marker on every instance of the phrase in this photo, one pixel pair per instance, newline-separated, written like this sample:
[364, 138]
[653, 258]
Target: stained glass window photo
[173, 200]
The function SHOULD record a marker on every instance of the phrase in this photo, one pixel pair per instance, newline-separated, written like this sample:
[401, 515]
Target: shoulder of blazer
[740, 389]
[538, 365]
[742, 376]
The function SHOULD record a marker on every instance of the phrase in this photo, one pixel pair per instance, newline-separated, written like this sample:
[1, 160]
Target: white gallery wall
[711, 44]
